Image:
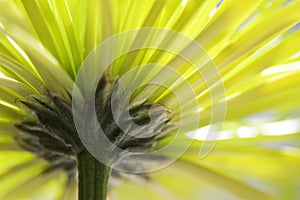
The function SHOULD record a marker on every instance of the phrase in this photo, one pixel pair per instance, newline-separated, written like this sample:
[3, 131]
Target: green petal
[48, 185]
[260, 163]
[17, 171]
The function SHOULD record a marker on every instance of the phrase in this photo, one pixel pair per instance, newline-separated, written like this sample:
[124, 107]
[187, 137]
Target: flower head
[149, 75]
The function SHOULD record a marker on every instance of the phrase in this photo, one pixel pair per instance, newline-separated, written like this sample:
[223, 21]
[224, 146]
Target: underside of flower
[53, 135]
[215, 79]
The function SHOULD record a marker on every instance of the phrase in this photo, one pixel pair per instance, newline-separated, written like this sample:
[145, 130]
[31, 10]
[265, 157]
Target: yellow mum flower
[153, 99]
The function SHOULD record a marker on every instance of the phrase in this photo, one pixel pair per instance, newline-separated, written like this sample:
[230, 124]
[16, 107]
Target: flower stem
[93, 177]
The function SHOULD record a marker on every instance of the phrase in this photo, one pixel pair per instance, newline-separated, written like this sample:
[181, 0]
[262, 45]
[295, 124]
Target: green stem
[93, 177]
